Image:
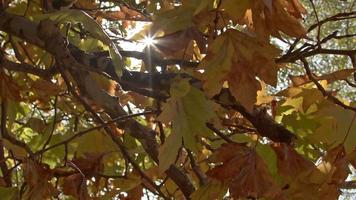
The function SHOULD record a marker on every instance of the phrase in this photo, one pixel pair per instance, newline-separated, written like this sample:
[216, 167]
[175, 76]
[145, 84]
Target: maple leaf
[262, 96]
[271, 17]
[43, 90]
[238, 58]
[338, 162]
[37, 176]
[189, 111]
[235, 8]
[336, 126]
[90, 163]
[289, 162]
[9, 89]
[304, 178]
[331, 173]
[212, 190]
[330, 78]
[352, 158]
[246, 173]
[167, 45]
[75, 185]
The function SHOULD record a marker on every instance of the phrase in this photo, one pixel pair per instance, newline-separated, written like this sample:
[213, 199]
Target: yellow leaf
[262, 96]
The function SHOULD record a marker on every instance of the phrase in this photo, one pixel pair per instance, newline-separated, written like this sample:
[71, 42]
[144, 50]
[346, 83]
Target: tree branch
[3, 166]
[321, 88]
[55, 44]
[27, 68]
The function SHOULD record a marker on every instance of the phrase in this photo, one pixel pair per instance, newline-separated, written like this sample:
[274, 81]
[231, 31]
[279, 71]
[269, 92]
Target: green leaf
[269, 156]
[168, 152]
[180, 89]
[212, 190]
[337, 125]
[189, 115]
[95, 141]
[217, 65]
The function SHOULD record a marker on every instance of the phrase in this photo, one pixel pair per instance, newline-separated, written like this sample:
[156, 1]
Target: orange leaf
[9, 89]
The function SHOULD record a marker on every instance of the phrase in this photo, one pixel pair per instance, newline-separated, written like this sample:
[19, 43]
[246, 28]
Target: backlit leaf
[245, 172]
[184, 109]
[238, 58]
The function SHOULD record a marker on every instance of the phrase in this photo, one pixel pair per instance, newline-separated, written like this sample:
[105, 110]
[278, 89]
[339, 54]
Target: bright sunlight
[148, 41]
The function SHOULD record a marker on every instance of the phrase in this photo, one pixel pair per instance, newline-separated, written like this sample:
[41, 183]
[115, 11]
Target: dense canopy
[177, 99]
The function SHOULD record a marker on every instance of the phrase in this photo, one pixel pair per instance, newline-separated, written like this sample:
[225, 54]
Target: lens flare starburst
[148, 41]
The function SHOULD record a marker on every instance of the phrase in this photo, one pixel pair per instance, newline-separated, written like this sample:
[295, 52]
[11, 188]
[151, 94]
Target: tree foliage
[182, 99]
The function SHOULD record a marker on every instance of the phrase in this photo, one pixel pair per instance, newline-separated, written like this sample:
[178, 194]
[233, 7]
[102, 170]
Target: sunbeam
[148, 41]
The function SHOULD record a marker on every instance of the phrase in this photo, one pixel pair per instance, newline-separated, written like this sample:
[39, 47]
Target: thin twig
[321, 88]
[220, 134]
[115, 139]
[3, 165]
[53, 124]
[196, 169]
[105, 124]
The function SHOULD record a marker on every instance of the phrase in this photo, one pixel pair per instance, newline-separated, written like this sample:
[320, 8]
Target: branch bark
[47, 36]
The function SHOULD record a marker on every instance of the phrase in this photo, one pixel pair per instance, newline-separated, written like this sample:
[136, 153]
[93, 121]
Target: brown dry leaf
[124, 13]
[139, 100]
[335, 163]
[2, 182]
[111, 15]
[37, 125]
[295, 8]
[323, 181]
[104, 83]
[282, 16]
[43, 90]
[9, 89]
[334, 170]
[330, 78]
[90, 164]
[246, 173]
[46, 87]
[352, 158]
[296, 170]
[284, 21]
[243, 86]
[132, 14]
[238, 58]
[37, 177]
[255, 56]
[289, 162]
[135, 194]
[299, 80]
[75, 185]
[85, 4]
[168, 45]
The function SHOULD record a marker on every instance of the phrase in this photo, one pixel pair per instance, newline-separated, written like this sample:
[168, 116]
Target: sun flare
[148, 41]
